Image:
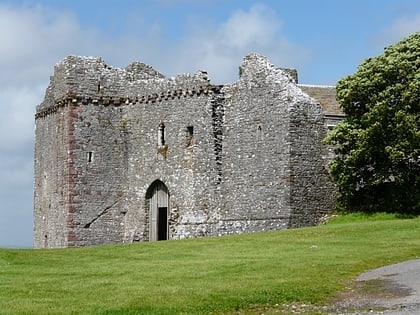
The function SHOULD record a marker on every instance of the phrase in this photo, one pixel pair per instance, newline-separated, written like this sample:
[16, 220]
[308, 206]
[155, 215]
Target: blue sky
[325, 40]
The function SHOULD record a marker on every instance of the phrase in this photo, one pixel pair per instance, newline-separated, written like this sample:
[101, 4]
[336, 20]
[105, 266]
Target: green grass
[225, 275]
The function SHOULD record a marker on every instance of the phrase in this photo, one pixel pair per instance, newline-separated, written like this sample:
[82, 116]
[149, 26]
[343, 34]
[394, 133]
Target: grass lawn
[224, 275]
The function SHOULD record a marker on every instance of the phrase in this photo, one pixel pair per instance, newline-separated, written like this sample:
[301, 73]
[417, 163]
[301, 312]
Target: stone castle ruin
[127, 155]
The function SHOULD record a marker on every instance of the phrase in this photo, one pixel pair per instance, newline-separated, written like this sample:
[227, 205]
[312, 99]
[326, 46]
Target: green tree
[377, 146]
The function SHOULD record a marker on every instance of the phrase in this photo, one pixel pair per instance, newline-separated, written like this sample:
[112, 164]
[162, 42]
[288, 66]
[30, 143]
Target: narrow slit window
[90, 157]
[189, 135]
[161, 135]
[259, 133]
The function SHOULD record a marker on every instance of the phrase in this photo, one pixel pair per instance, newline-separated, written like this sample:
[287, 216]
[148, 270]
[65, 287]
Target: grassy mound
[224, 275]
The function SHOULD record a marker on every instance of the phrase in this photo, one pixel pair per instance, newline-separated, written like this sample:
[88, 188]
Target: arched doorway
[158, 197]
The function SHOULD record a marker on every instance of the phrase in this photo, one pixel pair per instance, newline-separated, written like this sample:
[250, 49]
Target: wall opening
[189, 136]
[90, 157]
[161, 135]
[162, 224]
[158, 197]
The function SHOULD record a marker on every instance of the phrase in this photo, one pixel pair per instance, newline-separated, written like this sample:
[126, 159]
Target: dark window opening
[161, 135]
[162, 223]
[90, 157]
[189, 135]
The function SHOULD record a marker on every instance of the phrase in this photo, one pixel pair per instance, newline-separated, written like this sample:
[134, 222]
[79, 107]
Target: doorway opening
[158, 197]
[162, 224]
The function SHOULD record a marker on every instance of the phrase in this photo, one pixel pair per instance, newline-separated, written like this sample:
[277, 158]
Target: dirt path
[391, 290]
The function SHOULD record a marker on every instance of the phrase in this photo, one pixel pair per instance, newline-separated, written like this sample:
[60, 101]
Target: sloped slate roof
[325, 95]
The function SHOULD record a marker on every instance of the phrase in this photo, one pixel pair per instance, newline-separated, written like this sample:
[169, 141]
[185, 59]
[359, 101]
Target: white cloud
[400, 28]
[16, 121]
[31, 38]
[220, 48]
[16, 164]
[257, 27]
[41, 37]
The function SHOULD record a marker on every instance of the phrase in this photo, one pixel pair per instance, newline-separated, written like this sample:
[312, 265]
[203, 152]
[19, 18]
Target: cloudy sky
[325, 40]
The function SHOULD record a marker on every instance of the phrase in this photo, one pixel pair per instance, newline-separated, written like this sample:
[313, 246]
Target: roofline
[316, 86]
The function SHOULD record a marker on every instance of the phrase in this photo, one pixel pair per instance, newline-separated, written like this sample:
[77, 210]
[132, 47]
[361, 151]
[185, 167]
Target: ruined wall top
[257, 68]
[255, 65]
[91, 77]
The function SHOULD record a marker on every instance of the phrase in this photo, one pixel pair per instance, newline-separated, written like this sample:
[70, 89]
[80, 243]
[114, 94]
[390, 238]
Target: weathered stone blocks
[127, 155]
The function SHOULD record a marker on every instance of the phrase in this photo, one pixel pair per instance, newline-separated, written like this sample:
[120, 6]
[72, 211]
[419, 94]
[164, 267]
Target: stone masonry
[127, 155]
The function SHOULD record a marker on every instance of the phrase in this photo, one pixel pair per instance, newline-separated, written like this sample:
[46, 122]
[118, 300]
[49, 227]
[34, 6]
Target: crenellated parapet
[85, 80]
[121, 101]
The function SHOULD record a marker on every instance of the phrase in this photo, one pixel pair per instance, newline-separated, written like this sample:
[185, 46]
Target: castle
[127, 155]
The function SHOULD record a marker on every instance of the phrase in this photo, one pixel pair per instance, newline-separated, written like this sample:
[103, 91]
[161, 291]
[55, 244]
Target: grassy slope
[201, 276]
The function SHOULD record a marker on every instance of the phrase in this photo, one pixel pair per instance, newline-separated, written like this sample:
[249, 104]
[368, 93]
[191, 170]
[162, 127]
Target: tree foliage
[377, 146]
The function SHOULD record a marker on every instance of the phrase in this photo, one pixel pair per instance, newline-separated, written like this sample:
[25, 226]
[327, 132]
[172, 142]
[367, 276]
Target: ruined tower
[125, 155]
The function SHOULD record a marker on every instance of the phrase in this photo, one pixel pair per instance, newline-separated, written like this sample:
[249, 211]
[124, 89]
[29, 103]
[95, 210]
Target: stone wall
[256, 150]
[186, 163]
[230, 159]
[311, 191]
[51, 181]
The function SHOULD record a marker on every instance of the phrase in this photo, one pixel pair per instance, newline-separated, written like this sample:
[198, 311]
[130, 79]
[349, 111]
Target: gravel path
[390, 290]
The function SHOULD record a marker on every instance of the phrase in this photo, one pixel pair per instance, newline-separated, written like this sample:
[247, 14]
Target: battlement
[91, 78]
[44, 111]
[79, 79]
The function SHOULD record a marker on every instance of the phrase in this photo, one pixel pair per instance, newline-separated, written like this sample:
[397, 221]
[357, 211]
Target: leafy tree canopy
[377, 146]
